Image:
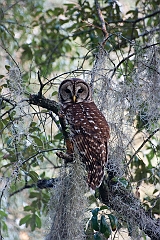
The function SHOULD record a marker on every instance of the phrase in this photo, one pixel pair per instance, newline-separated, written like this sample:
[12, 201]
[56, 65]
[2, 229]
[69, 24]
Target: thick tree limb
[44, 102]
[51, 105]
[129, 208]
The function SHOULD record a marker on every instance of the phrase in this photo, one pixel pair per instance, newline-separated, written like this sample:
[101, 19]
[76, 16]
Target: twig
[151, 135]
[54, 120]
[66, 73]
[41, 152]
[8, 101]
[55, 167]
[7, 112]
[11, 6]
[129, 56]
[91, 24]
[41, 85]
[5, 49]
[21, 189]
[136, 20]
[53, 106]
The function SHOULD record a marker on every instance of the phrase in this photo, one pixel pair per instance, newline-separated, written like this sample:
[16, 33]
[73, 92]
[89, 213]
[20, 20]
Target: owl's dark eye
[80, 90]
[67, 90]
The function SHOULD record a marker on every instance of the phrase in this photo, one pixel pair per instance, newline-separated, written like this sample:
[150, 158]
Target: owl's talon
[65, 156]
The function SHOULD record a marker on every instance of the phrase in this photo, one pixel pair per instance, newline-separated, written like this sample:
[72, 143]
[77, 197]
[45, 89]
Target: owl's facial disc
[74, 91]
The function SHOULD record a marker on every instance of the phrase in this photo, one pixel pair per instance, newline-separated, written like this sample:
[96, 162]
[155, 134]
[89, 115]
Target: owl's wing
[94, 154]
[90, 134]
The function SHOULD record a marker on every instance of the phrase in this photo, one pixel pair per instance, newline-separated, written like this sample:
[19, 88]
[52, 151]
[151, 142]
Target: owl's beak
[74, 98]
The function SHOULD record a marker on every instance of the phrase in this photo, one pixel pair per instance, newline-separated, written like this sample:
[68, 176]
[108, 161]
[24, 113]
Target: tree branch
[41, 184]
[41, 152]
[41, 85]
[144, 142]
[136, 20]
[103, 23]
[21, 189]
[44, 102]
[129, 56]
[128, 206]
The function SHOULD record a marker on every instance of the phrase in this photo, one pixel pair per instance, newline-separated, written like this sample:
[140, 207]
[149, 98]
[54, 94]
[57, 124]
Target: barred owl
[88, 128]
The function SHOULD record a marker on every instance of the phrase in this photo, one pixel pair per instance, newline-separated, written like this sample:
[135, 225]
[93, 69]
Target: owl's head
[74, 90]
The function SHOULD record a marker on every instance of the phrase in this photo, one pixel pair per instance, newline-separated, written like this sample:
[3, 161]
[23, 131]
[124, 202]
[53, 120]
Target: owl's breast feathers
[86, 118]
[90, 133]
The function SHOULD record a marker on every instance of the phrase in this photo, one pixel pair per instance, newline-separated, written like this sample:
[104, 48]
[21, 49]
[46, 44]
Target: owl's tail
[95, 177]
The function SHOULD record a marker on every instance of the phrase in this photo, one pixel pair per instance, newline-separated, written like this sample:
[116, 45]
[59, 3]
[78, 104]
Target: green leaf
[37, 140]
[89, 230]
[70, 5]
[124, 182]
[103, 207]
[34, 129]
[97, 236]
[94, 222]
[38, 222]
[150, 155]
[107, 232]
[7, 67]
[4, 226]
[1, 76]
[58, 136]
[54, 93]
[25, 219]
[34, 195]
[44, 111]
[104, 225]
[3, 214]
[27, 53]
[33, 222]
[34, 176]
[1, 125]
[29, 208]
[156, 208]
[95, 211]
[113, 221]
[9, 141]
[155, 190]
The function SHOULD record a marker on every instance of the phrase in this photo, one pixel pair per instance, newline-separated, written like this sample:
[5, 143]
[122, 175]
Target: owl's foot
[67, 157]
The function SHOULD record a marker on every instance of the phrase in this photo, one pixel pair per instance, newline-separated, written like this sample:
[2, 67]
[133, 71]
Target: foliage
[101, 225]
[64, 41]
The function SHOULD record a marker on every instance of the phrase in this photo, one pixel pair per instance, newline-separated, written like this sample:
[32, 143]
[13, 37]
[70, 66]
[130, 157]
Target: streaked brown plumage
[89, 130]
